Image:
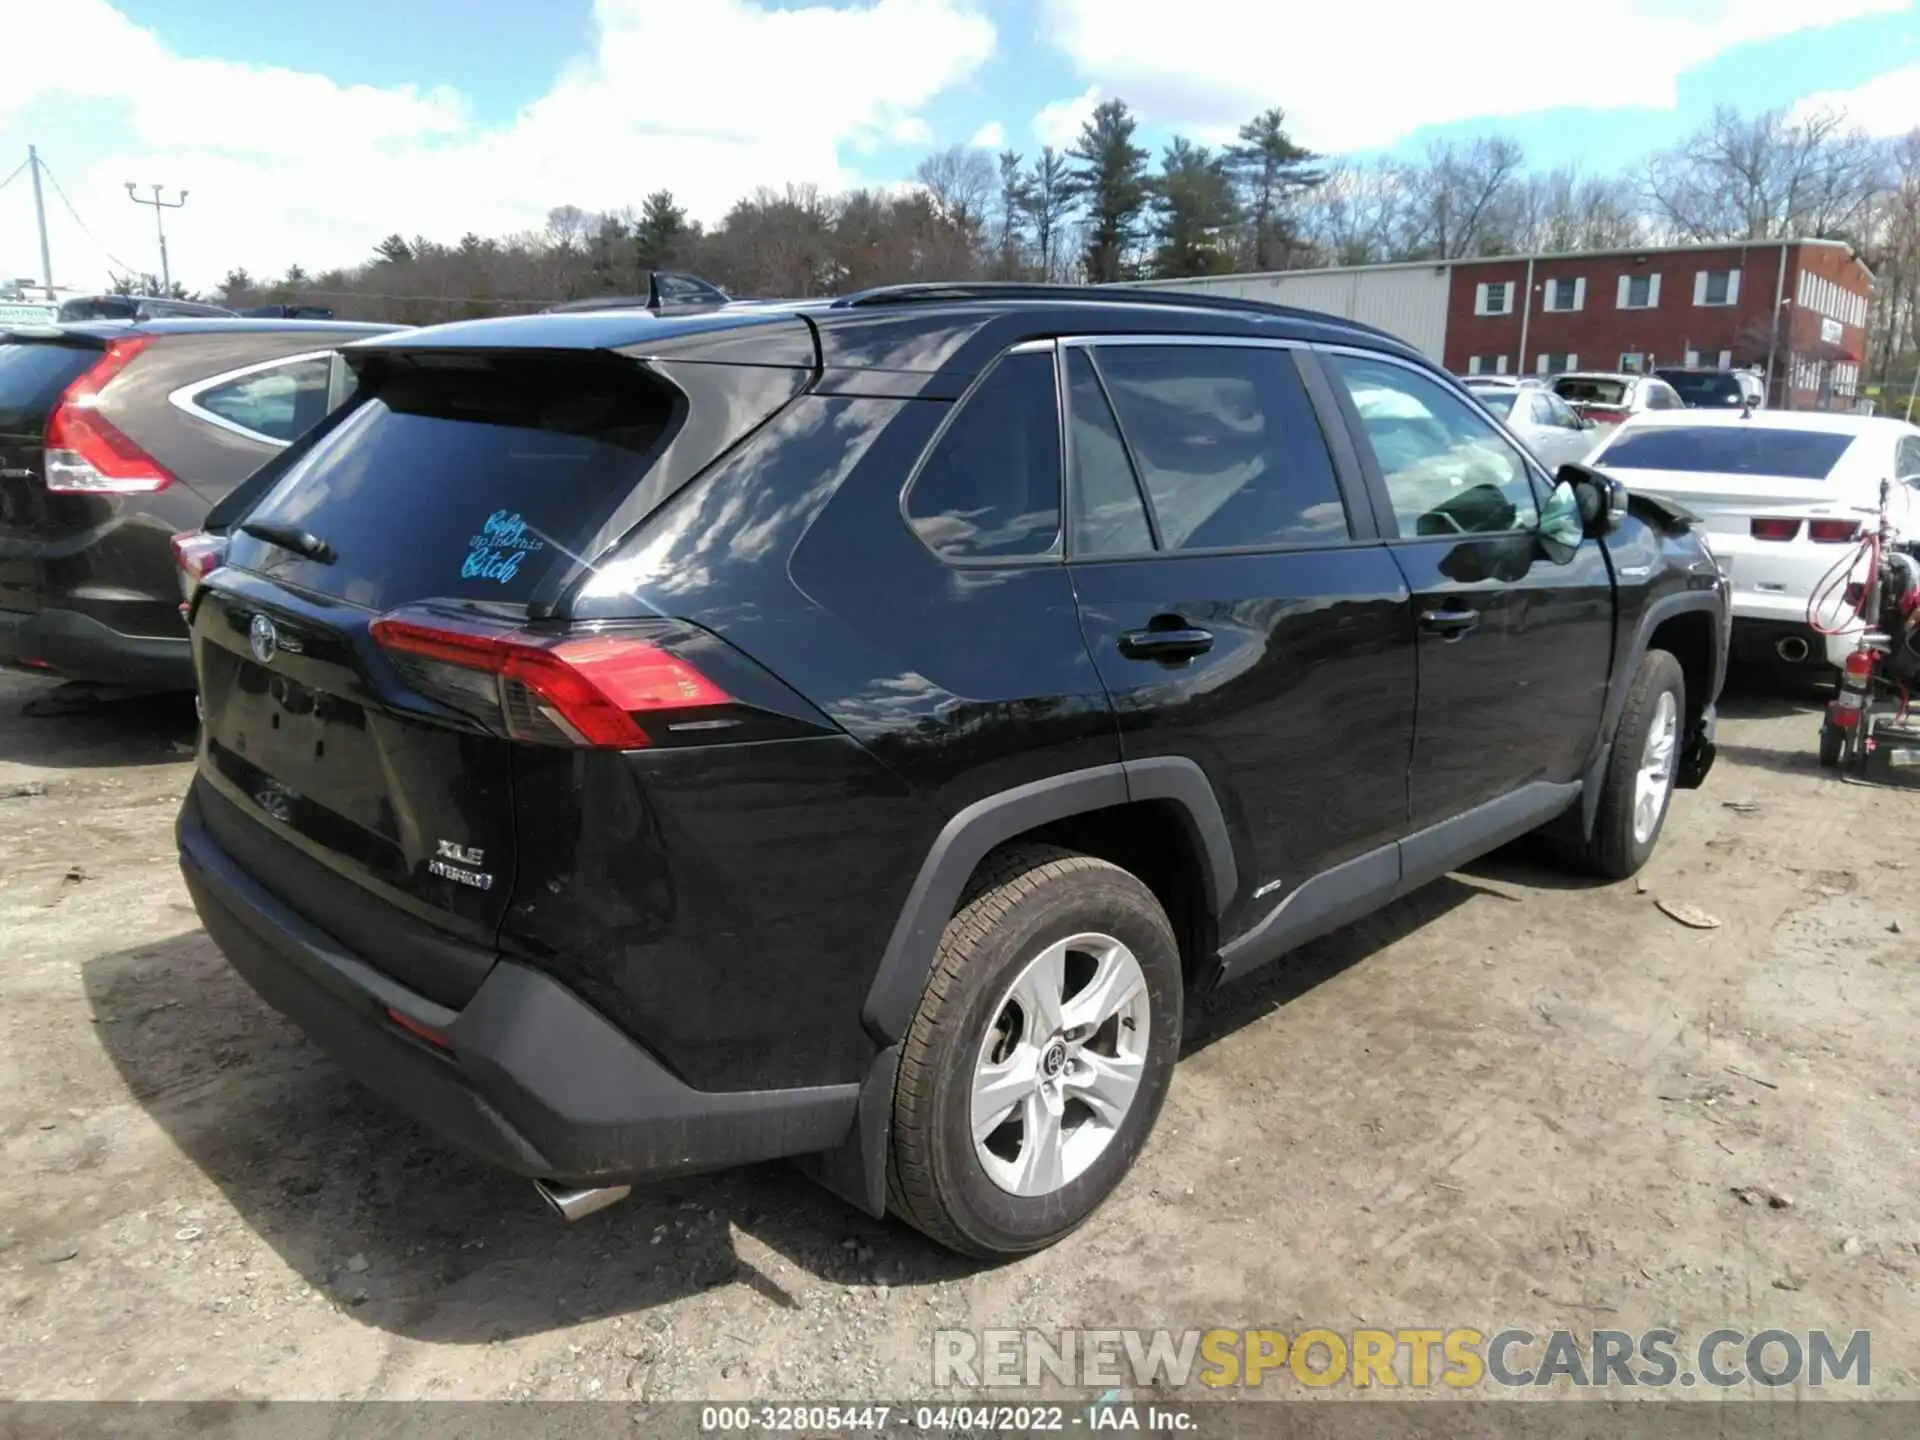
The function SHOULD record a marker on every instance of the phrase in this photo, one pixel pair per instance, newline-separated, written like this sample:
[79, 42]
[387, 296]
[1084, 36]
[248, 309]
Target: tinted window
[281, 403]
[466, 481]
[990, 489]
[1227, 444]
[1907, 460]
[1738, 449]
[1541, 409]
[100, 307]
[1704, 387]
[1662, 397]
[1109, 517]
[33, 377]
[1447, 471]
[1499, 402]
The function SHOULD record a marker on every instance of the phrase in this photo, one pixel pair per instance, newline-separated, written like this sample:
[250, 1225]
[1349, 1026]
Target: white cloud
[289, 166]
[990, 136]
[1351, 83]
[1059, 124]
[1888, 104]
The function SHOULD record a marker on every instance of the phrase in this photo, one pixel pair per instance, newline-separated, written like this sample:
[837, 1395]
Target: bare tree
[1351, 217]
[1453, 197]
[1771, 176]
[962, 181]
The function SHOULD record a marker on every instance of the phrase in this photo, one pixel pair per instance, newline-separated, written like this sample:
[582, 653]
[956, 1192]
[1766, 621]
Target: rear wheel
[1833, 743]
[1640, 767]
[1039, 1057]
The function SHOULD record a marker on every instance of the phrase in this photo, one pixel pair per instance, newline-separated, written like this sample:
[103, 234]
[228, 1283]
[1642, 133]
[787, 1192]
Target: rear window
[1703, 387]
[1741, 449]
[33, 377]
[1499, 402]
[464, 476]
[1591, 392]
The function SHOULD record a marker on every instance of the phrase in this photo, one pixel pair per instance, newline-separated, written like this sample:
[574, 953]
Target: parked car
[115, 435]
[1611, 399]
[132, 307]
[288, 312]
[668, 290]
[1782, 496]
[1700, 388]
[1545, 423]
[765, 737]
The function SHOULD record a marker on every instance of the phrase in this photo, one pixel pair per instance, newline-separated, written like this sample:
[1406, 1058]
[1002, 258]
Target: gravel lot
[1509, 1100]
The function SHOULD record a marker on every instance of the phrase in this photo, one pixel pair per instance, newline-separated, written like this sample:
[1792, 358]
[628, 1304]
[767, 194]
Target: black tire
[1025, 899]
[1613, 850]
[1833, 741]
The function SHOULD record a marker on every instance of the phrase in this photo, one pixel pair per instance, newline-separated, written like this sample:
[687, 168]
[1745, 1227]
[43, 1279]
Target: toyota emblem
[263, 639]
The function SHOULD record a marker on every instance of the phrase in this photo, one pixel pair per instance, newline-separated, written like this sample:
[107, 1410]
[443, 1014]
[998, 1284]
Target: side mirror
[1602, 499]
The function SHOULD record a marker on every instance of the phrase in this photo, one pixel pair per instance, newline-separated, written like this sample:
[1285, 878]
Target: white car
[1785, 498]
[1544, 423]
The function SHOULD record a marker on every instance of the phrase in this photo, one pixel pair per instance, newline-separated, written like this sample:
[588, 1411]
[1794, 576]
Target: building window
[1638, 292]
[1632, 362]
[1493, 298]
[1556, 364]
[1726, 359]
[1693, 359]
[1481, 365]
[1566, 295]
[1716, 287]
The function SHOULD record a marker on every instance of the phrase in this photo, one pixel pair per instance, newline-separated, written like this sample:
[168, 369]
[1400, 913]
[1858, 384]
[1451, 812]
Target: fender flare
[993, 820]
[1683, 602]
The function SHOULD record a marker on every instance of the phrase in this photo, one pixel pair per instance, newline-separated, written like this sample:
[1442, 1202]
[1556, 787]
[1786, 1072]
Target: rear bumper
[78, 647]
[1790, 642]
[536, 1081]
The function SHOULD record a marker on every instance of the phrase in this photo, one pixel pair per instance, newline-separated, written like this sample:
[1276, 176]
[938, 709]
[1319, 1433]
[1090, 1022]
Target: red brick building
[1794, 310]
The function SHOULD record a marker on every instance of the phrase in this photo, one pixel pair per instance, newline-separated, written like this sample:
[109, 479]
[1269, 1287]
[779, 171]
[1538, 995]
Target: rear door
[459, 483]
[1515, 642]
[1240, 614]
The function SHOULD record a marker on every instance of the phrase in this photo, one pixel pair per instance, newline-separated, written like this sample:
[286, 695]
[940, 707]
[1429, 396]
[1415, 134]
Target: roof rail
[937, 293]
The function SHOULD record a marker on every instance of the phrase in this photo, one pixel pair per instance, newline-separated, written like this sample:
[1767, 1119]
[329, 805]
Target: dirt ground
[1511, 1100]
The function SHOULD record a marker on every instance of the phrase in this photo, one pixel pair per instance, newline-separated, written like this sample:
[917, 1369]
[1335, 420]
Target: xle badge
[447, 851]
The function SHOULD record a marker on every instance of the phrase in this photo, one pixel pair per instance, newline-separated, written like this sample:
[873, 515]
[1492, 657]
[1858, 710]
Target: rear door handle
[1449, 624]
[1179, 643]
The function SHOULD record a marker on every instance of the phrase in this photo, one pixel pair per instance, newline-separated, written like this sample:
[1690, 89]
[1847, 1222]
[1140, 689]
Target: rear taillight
[86, 454]
[1769, 529]
[1833, 532]
[562, 689]
[1603, 414]
[196, 555]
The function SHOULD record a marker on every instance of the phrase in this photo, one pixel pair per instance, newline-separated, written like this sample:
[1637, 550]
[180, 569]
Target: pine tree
[394, 249]
[1194, 212]
[1112, 176]
[660, 239]
[1272, 171]
[1050, 193]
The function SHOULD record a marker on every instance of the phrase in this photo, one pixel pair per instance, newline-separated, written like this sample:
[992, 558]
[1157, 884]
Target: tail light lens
[1833, 532]
[196, 555]
[1775, 529]
[86, 454]
[1603, 414]
[561, 689]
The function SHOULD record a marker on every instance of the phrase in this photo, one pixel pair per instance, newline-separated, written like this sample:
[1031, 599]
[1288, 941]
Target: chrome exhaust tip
[1791, 648]
[572, 1205]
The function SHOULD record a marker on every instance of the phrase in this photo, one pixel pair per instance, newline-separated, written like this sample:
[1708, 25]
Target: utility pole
[40, 219]
[159, 224]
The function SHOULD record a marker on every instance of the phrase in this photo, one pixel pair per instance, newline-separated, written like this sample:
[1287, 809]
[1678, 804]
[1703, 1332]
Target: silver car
[1545, 423]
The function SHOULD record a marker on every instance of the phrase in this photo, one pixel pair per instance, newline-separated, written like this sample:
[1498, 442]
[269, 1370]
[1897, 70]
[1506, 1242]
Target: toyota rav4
[850, 730]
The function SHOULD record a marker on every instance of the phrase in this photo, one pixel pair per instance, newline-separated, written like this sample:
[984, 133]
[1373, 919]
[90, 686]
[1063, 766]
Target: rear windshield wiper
[289, 537]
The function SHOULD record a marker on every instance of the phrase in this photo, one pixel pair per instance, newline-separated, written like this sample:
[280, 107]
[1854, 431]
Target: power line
[47, 170]
[16, 174]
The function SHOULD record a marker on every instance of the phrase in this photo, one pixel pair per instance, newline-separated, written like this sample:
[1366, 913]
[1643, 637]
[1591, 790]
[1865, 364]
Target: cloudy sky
[304, 130]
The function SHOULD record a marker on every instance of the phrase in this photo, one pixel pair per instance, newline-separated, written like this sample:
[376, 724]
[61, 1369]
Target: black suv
[113, 437]
[639, 745]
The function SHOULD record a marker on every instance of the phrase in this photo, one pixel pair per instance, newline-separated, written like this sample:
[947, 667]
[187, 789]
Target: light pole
[159, 225]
